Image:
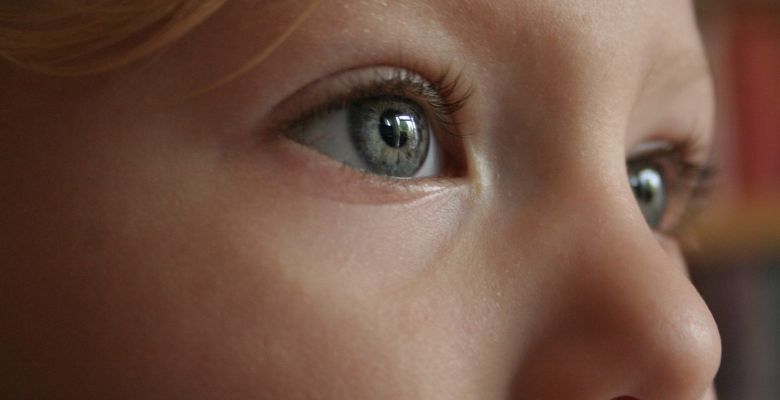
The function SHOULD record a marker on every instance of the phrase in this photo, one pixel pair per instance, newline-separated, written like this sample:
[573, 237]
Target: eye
[666, 186]
[384, 121]
[391, 135]
[385, 135]
[647, 183]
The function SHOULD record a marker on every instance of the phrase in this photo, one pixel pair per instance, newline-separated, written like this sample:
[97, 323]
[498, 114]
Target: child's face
[161, 245]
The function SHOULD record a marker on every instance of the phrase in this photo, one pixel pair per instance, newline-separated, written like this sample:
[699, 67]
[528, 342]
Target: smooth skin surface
[157, 244]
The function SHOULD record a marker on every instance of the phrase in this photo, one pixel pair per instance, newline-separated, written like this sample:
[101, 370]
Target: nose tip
[677, 356]
[630, 326]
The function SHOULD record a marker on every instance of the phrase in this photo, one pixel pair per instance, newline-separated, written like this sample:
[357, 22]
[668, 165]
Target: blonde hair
[82, 37]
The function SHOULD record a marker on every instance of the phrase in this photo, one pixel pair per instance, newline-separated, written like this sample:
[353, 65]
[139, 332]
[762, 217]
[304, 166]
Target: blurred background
[735, 261]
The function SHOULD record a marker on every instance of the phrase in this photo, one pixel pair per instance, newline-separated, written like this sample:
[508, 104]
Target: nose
[627, 323]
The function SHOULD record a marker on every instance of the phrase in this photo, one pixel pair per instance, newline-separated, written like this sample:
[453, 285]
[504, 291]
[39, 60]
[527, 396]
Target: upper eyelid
[674, 152]
[685, 175]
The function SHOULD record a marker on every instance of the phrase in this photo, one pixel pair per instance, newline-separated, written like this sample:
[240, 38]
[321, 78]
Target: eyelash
[443, 96]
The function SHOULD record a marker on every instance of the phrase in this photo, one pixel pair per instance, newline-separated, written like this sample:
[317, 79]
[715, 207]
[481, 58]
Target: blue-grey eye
[383, 135]
[647, 183]
[390, 134]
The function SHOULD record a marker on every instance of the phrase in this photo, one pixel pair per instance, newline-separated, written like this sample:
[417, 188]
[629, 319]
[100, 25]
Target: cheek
[327, 244]
[329, 289]
[192, 276]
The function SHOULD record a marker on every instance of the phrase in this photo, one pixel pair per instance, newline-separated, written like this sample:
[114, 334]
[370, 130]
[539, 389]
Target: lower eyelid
[314, 174]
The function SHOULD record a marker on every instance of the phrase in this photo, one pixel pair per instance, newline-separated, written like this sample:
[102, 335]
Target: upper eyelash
[680, 151]
[445, 98]
[696, 175]
[444, 95]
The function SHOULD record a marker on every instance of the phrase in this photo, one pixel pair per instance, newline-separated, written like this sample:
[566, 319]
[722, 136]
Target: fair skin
[163, 245]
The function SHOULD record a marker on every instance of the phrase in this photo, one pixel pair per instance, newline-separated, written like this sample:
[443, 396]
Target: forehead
[657, 33]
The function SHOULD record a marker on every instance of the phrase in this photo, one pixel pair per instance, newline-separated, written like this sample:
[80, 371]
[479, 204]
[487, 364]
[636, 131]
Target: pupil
[395, 127]
[646, 183]
[642, 191]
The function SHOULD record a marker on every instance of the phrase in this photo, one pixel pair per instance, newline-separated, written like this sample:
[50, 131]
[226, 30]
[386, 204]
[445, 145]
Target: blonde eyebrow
[267, 51]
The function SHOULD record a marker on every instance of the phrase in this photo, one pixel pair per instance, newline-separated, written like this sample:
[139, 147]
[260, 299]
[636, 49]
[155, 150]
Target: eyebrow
[270, 49]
